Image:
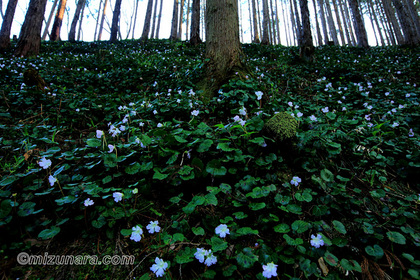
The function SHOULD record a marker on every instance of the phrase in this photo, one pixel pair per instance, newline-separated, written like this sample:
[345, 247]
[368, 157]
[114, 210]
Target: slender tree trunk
[115, 21]
[331, 25]
[195, 23]
[298, 23]
[265, 38]
[259, 18]
[411, 9]
[375, 21]
[386, 25]
[241, 34]
[55, 31]
[409, 30]
[72, 34]
[286, 22]
[349, 22]
[146, 26]
[97, 20]
[273, 24]
[295, 28]
[277, 23]
[159, 18]
[174, 28]
[318, 30]
[81, 21]
[6, 26]
[181, 17]
[251, 27]
[223, 48]
[306, 51]
[188, 20]
[390, 14]
[29, 41]
[255, 20]
[337, 17]
[345, 22]
[1, 10]
[154, 19]
[47, 26]
[323, 21]
[101, 27]
[358, 25]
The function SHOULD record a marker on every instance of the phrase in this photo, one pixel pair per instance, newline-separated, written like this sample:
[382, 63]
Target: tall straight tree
[256, 38]
[58, 21]
[411, 37]
[148, 17]
[223, 48]
[331, 25]
[101, 27]
[115, 21]
[152, 34]
[306, 50]
[181, 19]
[266, 21]
[72, 33]
[337, 17]
[318, 30]
[159, 18]
[359, 26]
[29, 41]
[323, 21]
[195, 23]
[47, 26]
[174, 26]
[6, 26]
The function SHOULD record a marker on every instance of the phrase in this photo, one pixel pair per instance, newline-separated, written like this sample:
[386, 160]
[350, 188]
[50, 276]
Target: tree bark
[277, 23]
[411, 9]
[390, 14]
[159, 18]
[101, 27]
[318, 30]
[81, 21]
[306, 51]
[29, 41]
[256, 38]
[359, 26]
[347, 29]
[55, 31]
[340, 27]
[6, 26]
[181, 16]
[266, 18]
[72, 33]
[223, 49]
[195, 23]
[146, 26]
[174, 27]
[323, 21]
[409, 30]
[331, 25]
[155, 6]
[188, 20]
[97, 20]
[116, 21]
[47, 26]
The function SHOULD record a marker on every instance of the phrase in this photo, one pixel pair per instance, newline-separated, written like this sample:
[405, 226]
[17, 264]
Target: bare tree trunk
[256, 38]
[152, 34]
[358, 25]
[97, 20]
[80, 22]
[55, 31]
[409, 30]
[277, 23]
[101, 27]
[241, 34]
[273, 24]
[411, 9]
[47, 26]
[6, 26]
[188, 20]
[265, 39]
[29, 41]
[318, 30]
[159, 18]
[1, 10]
[223, 48]
[286, 23]
[251, 27]
[340, 27]
[298, 23]
[390, 14]
[306, 51]
[295, 28]
[195, 23]
[181, 17]
[375, 19]
[331, 25]
[72, 34]
[345, 22]
[115, 21]
[323, 21]
[174, 28]
[386, 25]
[146, 26]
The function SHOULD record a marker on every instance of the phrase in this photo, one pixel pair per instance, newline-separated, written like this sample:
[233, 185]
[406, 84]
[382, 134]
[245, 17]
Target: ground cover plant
[114, 153]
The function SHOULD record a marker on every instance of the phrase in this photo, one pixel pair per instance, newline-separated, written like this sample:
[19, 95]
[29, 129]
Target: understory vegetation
[117, 137]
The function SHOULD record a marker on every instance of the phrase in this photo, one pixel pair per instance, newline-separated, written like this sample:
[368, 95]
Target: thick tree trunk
[101, 27]
[47, 26]
[72, 33]
[6, 26]
[29, 41]
[266, 18]
[146, 26]
[174, 27]
[411, 37]
[195, 23]
[411, 9]
[256, 38]
[116, 21]
[359, 26]
[55, 31]
[223, 48]
[306, 44]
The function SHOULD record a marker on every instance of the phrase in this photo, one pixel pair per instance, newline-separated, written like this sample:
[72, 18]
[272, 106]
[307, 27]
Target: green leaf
[5, 208]
[330, 259]
[350, 265]
[300, 226]
[184, 256]
[159, 176]
[375, 251]
[339, 227]
[282, 228]
[126, 232]
[215, 168]
[218, 244]
[246, 230]
[291, 241]
[396, 237]
[49, 233]
[180, 139]
[110, 160]
[255, 206]
[198, 230]
[8, 180]
[93, 142]
[246, 258]
[204, 146]
[133, 168]
[100, 222]
[327, 175]
[225, 147]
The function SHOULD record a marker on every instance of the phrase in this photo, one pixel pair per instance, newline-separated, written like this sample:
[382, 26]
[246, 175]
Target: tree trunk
[285, 23]
[159, 18]
[146, 26]
[188, 20]
[195, 23]
[390, 14]
[277, 23]
[298, 23]
[101, 27]
[6, 26]
[223, 48]
[359, 26]
[318, 30]
[181, 17]
[116, 21]
[265, 39]
[1, 10]
[152, 33]
[174, 27]
[409, 30]
[347, 29]
[97, 20]
[375, 20]
[81, 21]
[47, 26]
[256, 38]
[340, 27]
[55, 31]
[411, 9]
[331, 25]
[323, 21]
[306, 51]
[273, 24]
[72, 34]
[29, 41]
